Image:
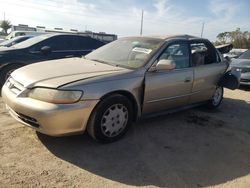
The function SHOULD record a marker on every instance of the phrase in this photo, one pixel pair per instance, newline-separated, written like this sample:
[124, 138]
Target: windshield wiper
[101, 61]
[107, 63]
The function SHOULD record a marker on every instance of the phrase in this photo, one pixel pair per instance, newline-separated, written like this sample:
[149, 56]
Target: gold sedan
[105, 91]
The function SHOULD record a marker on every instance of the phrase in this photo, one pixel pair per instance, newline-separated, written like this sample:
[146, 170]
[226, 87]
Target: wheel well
[131, 99]
[12, 65]
[4, 70]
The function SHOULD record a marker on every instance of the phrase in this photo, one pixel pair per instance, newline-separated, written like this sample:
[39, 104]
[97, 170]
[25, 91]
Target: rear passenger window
[203, 54]
[178, 53]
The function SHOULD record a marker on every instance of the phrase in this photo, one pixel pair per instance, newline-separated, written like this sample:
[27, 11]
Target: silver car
[105, 91]
[242, 64]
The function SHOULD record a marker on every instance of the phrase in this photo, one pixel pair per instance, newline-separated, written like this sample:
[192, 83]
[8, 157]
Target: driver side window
[37, 47]
[178, 53]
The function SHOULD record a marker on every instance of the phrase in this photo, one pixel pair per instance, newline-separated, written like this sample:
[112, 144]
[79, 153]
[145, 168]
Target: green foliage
[238, 38]
[5, 25]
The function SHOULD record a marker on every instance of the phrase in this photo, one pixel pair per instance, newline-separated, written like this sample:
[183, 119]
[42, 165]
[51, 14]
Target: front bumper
[245, 78]
[48, 118]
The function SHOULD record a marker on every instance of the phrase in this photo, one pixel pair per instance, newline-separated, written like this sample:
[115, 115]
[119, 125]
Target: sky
[123, 17]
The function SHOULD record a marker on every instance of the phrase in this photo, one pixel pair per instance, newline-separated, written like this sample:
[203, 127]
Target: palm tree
[5, 25]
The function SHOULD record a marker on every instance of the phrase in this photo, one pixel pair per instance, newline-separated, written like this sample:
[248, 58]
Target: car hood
[240, 63]
[56, 73]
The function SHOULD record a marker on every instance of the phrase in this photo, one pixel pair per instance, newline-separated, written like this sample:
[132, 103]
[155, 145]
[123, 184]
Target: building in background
[22, 29]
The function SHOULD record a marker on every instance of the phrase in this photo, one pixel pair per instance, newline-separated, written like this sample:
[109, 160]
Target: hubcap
[114, 120]
[217, 96]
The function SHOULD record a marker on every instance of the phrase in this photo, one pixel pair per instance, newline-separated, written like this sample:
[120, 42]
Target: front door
[168, 89]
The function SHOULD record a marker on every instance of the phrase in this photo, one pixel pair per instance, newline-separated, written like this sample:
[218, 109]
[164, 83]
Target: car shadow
[245, 88]
[192, 148]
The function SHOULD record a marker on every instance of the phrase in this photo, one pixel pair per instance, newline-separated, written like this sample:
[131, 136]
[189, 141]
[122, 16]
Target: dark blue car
[42, 48]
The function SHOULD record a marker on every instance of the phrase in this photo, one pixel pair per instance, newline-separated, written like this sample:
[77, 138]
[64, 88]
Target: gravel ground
[192, 148]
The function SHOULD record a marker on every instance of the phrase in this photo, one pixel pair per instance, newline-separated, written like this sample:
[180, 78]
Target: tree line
[239, 39]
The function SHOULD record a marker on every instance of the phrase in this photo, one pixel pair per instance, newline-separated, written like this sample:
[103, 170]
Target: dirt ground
[192, 148]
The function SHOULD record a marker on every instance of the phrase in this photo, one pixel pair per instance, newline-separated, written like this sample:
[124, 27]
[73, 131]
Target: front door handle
[68, 56]
[188, 79]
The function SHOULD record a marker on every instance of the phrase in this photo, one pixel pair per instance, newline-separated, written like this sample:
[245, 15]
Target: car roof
[61, 34]
[184, 36]
[167, 37]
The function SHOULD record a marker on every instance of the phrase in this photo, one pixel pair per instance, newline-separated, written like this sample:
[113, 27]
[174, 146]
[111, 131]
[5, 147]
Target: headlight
[55, 96]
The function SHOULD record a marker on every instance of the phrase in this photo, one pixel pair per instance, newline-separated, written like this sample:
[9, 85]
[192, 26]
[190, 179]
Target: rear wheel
[111, 119]
[217, 98]
[6, 71]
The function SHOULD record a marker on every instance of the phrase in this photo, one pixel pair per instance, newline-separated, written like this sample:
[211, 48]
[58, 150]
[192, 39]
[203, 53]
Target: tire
[111, 119]
[5, 73]
[216, 99]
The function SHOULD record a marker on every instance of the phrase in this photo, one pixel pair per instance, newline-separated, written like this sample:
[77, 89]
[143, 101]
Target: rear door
[208, 69]
[168, 89]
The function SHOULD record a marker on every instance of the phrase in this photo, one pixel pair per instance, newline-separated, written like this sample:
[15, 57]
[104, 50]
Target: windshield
[31, 41]
[12, 41]
[245, 55]
[127, 52]
[7, 42]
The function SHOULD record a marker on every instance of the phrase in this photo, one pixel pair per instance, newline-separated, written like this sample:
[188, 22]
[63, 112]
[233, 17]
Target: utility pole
[142, 12]
[3, 15]
[202, 28]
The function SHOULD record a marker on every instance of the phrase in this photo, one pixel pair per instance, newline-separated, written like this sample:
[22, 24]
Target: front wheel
[110, 119]
[217, 98]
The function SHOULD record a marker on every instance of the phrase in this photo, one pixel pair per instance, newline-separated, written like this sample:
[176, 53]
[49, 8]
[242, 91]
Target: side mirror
[165, 64]
[228, 58]
[46, 50]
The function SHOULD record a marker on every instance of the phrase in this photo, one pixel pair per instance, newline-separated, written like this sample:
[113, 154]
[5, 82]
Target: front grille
[29, 120]
[244, 80]
[244, 70]
[14, 86]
